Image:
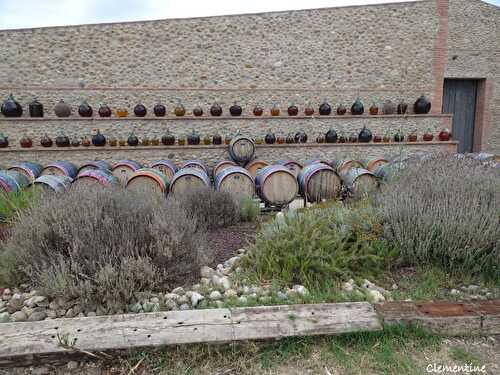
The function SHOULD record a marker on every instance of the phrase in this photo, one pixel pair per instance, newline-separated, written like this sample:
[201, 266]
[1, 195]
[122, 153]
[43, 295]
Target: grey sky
[36, 13]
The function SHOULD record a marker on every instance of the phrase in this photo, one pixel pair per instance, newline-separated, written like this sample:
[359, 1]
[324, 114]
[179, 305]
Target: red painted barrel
[92, 177]
[60, 168]
[235, 180]
[96, 164]
[276, 185]
[13, 181]
[29, 169]
[124, 169]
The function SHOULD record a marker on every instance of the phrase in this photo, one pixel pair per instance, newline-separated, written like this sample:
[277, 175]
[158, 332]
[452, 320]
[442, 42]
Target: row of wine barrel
[276, 184]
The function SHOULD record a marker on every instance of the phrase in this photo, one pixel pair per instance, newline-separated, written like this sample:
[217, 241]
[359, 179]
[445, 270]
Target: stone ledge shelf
[223, 147]
[218, 118]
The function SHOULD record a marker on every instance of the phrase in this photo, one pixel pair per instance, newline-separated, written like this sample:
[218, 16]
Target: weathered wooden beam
[30, 342]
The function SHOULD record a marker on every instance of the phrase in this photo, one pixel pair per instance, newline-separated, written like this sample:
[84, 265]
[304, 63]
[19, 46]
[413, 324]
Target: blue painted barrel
[318, 182]
[195, 164]
[149, 179]
[102, 177]
[276, 185]
[29, 169]
[60, 168]
[13, 181]
[294, 166]
[167, 167]
[235, 180]
[54, 183]
[189, 178]
[96, 164]
[124, 169]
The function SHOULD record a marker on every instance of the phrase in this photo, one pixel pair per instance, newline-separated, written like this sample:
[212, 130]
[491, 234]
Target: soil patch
[225, 241]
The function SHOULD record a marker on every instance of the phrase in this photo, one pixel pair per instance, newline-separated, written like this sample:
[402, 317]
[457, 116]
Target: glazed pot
[357, 108]
[422, 105]
[197, 111]
[122, 112]
[35, 108]
[132, 140]
[4, 141]
[353, 138]
[402, 107]
[104, 111]
[86, 142]
[216, 110]
[331, 136]
[207, 140]
[325, 109]
[217, 139]
[258, 111]
[193, 139]
[259, 141]
[444, 135]
[341, 110]
[342, 139]
[26, 142]
[309, 111]
[365, 135]
[292, 110]
[155, 142]
[98, 139]
[227, 139]
[145, 141]
[428, 136]
[85, 110]
[300, 137]
[373, 109]
[377, 138]
[181, 141]
[140, 110]
[398, 137]
[168, 139]
[389, 108]
[270, 138]
[159, 110]
[62, 141]
[45, 141]
[235, 110]
[113, 142]
[320, 139]
[386, 138]
[180, 110]
[61, 109]
[280, 139]
[412, 137]
[11, 108]
[275, 111]
[75, 142]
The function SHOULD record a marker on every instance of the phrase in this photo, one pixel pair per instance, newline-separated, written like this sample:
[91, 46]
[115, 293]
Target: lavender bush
[445, 211]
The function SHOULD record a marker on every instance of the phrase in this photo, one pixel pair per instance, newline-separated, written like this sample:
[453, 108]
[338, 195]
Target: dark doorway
[459, 98]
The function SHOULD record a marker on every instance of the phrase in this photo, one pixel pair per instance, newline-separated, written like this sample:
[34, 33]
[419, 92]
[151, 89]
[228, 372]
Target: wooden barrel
[96, 164]
[187, 179]
[235, 180]
[60, 168]
[92, 177]
[374, 163]
[124, 169]
[255, 166]
[165, 166]
[359, 181]
[319, 181]
[241, 149]
[316, 161]
[13, 181]
[54, 183]
[29, 169]
[149, 179]
[386, 171]
[276, 185]
[198, 164]
[294, 166]
[220, 166]
[343, 165]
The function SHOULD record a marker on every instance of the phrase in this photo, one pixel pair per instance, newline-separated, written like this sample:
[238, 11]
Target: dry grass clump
[104, 245]
[445, 211]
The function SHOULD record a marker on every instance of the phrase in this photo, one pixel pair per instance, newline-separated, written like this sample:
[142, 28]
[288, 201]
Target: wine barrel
[149, 179]
[319, 181]
[294, 166]
[93, 177]
[167, 167]
[276, 185]
[359, 181]
[241, 149]
[124, 169]
[374, 163]
[55, 183]
[220, 166]
[96, 164]
[60, 168]
[29, 169]
[386, 171]
[198, 164]
[13, 181]
[255, 166]
[343, 165]
[235, 180]
[189, 178]
[316, 161]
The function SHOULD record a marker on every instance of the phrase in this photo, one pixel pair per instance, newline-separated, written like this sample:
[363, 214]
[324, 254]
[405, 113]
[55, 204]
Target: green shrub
[12, 203]
[104, 245]
[445, 211]
[249, 209]
[315, 246]
[215, 209]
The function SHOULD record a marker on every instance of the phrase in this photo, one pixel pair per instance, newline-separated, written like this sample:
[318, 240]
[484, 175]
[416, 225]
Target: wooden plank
[26, 342]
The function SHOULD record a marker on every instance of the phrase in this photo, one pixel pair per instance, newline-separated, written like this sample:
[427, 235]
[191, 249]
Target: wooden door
[459, 98]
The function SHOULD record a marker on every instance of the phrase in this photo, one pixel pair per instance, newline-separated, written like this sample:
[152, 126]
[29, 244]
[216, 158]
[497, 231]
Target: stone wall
[377, 52]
